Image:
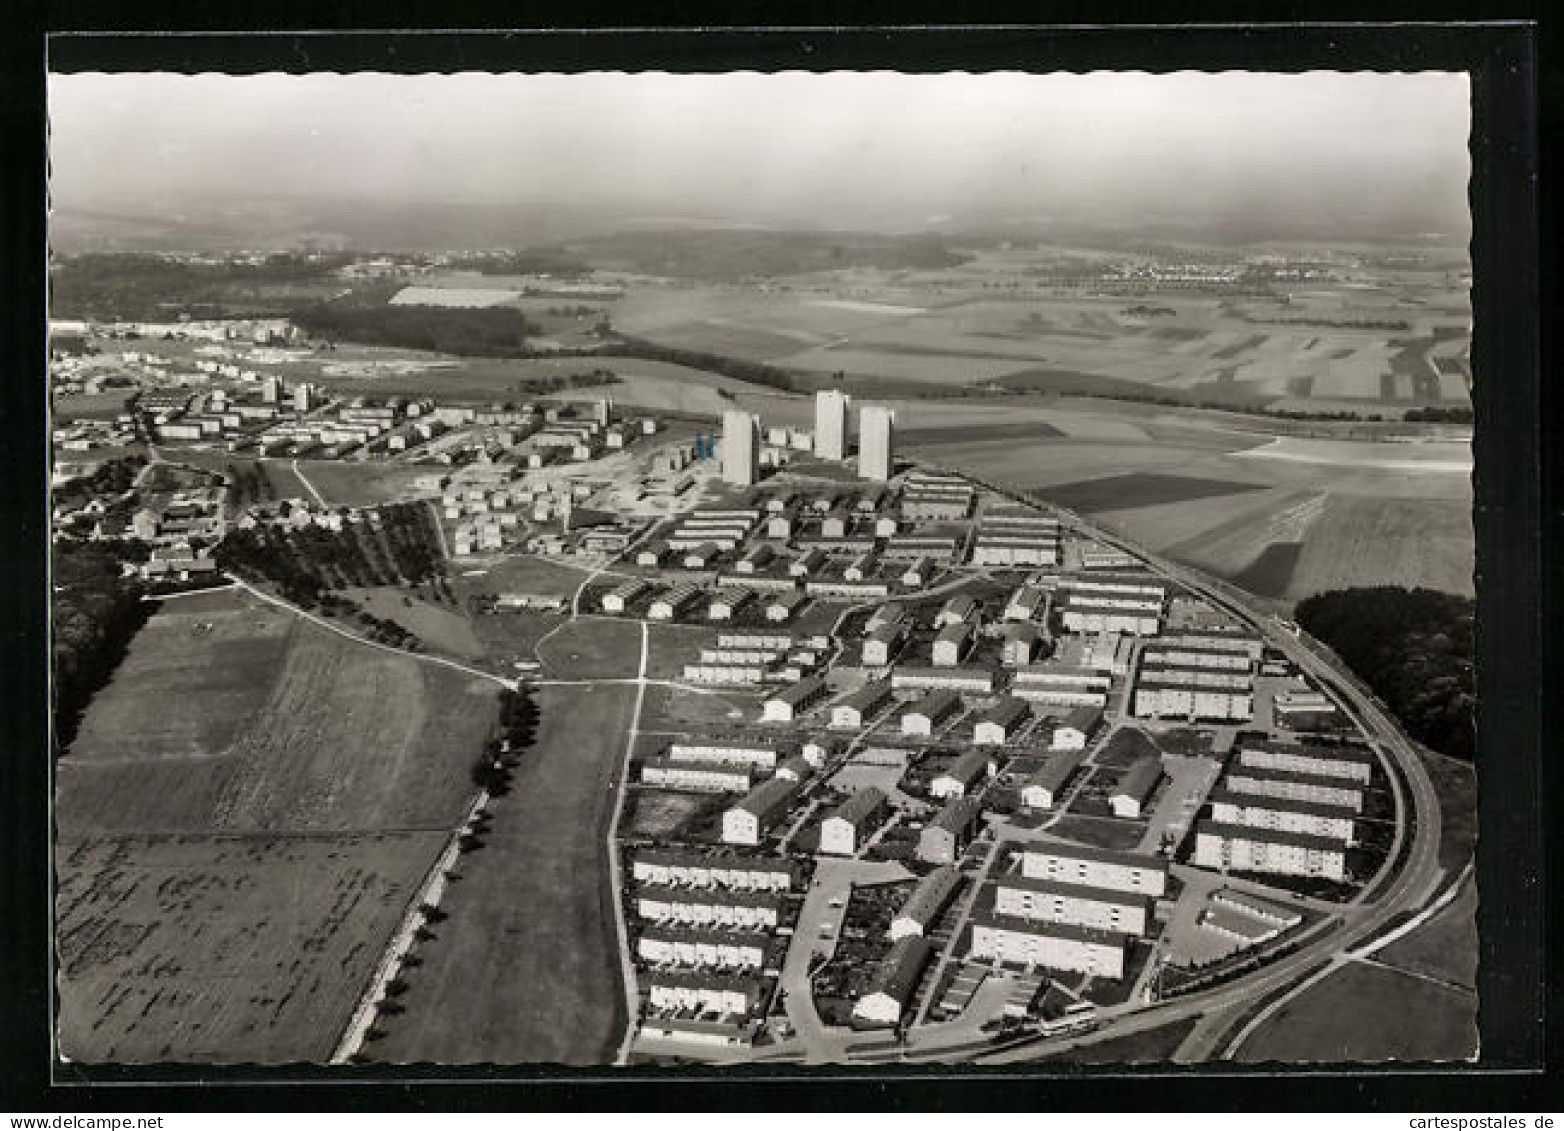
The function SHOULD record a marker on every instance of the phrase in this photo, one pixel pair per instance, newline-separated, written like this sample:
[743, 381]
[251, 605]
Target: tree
[1414, 648]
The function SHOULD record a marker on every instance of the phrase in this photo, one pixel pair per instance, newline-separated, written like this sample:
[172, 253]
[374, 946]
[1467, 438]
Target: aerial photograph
[769, 571]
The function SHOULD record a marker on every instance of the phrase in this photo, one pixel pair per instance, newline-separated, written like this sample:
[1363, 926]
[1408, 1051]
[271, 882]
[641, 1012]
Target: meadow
[1446, 947]
[1367, 1013]
[440, 629]
[524, 969]
[264, 722]
[247, 809]
[364, 484]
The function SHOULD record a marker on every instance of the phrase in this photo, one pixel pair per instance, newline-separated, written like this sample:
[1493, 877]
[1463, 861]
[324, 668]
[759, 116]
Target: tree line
[1414, 648]
[490, 331]
[541, 386]
[1435, 415]
[754, 372]
[95, 615]
[111, 478]
[127, 286]
[249, 483]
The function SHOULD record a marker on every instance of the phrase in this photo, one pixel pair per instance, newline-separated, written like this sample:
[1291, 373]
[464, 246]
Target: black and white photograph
[763, 571]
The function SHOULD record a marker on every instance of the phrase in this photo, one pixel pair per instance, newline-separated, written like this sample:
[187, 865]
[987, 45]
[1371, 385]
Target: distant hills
[615, 235]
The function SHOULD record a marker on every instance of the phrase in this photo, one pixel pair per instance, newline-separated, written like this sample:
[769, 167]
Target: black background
[1517, 509]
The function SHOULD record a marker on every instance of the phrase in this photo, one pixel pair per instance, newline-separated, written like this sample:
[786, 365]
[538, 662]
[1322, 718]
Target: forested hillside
[94, 616]
[1414, 647]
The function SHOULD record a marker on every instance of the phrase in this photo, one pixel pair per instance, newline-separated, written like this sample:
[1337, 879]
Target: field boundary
[616, 878]
[390, 965]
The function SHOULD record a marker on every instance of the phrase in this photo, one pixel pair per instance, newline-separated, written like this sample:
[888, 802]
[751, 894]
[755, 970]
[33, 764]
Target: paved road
[833, 883]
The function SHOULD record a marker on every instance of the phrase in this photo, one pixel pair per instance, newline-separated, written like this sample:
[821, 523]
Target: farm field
[940, 328]
[1360, 541]
[1140, 489]
[308, 731]
[174, 656]
[223, 948]
[249, 805]
[1366, 1013]
[525, 969]
[1422, 456]
[1355, 514]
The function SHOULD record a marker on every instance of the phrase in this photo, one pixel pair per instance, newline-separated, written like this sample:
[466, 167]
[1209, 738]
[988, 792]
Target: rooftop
[959, 813]
[859, 807]
[1094, 855]
[1139, 780]
[1078, 891]
[1270, 836]
[696, 859]
[1041, 929]
[897, 974]
[931, 894]
[1282, 804]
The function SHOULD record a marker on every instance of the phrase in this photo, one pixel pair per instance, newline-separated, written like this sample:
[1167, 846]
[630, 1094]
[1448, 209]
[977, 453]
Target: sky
[875, 149]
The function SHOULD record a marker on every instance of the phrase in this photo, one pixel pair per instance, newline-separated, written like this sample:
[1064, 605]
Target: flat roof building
[1337, 822]
[1103, 908]
[1301, 787]
[1095, 867]
[1349, 763]
[968, 679]
[831, 408]
[876, 445]
[740, 448]
[1053, 946]
[1247, 849]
